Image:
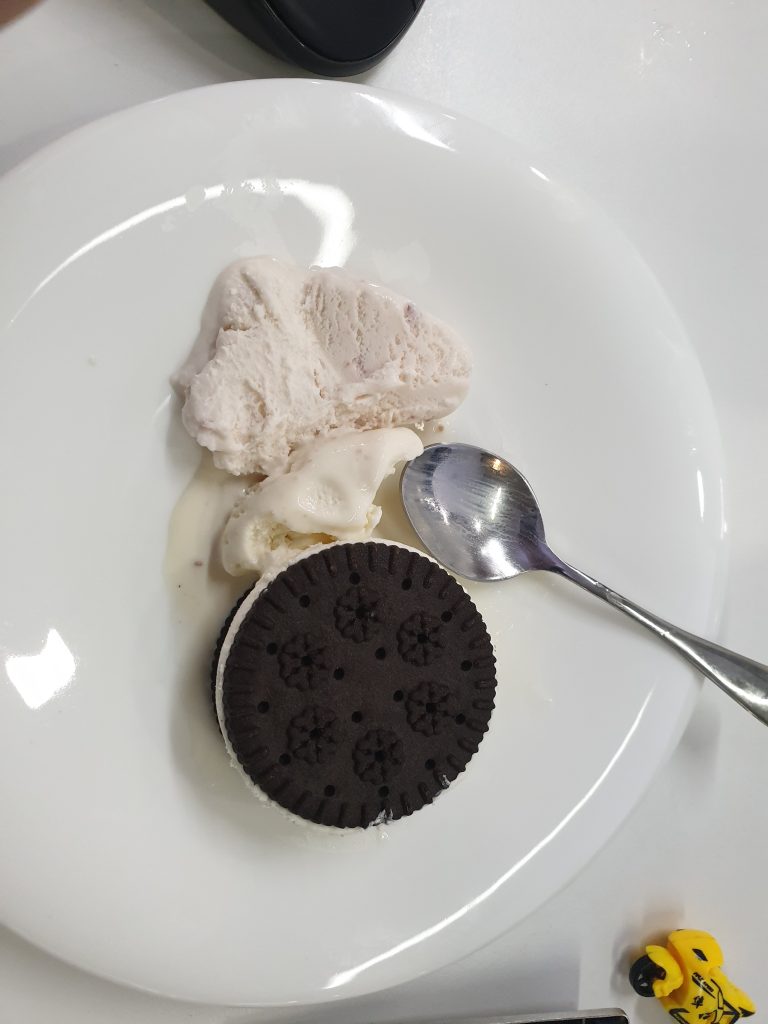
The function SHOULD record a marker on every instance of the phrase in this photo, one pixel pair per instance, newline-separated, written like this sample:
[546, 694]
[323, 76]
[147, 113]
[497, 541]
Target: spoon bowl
[474, 512]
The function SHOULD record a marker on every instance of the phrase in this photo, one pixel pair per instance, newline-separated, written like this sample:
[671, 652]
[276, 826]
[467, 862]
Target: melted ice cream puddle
[327, 494]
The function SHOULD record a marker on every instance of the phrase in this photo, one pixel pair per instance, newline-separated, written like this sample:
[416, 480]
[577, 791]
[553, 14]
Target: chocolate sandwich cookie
[356, 685]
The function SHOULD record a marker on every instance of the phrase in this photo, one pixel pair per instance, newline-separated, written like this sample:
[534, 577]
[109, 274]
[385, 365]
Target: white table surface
[657, 109]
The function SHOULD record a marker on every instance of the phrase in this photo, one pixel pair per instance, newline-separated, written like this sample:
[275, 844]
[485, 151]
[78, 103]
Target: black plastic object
[642, 975]
[577, 1017]
[328, 37]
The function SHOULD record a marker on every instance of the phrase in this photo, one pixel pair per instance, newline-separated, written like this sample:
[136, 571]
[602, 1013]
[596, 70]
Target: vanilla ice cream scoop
[326, 495]
[298, 355]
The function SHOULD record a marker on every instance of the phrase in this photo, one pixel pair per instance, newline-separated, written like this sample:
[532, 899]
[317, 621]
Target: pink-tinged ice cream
[299, 355]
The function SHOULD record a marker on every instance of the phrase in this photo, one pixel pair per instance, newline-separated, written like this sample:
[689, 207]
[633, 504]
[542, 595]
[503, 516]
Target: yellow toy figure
[686, 979]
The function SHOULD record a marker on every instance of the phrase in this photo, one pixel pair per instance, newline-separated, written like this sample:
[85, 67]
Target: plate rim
[299, 86]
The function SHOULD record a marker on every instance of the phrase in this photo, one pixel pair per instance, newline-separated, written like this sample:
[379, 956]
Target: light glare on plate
[39, 677]
[700, 488]
[406, 121]
[335, 212]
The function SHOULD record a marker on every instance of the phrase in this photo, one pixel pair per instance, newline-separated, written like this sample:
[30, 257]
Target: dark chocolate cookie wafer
[358, 685]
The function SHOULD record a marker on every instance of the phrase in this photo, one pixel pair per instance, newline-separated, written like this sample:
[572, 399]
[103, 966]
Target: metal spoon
[477, 515]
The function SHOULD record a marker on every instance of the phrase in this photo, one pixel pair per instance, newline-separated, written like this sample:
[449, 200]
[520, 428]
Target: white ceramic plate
[129, 846]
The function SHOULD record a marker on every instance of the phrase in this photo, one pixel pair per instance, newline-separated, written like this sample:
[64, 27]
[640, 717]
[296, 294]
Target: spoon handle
[744, 680]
